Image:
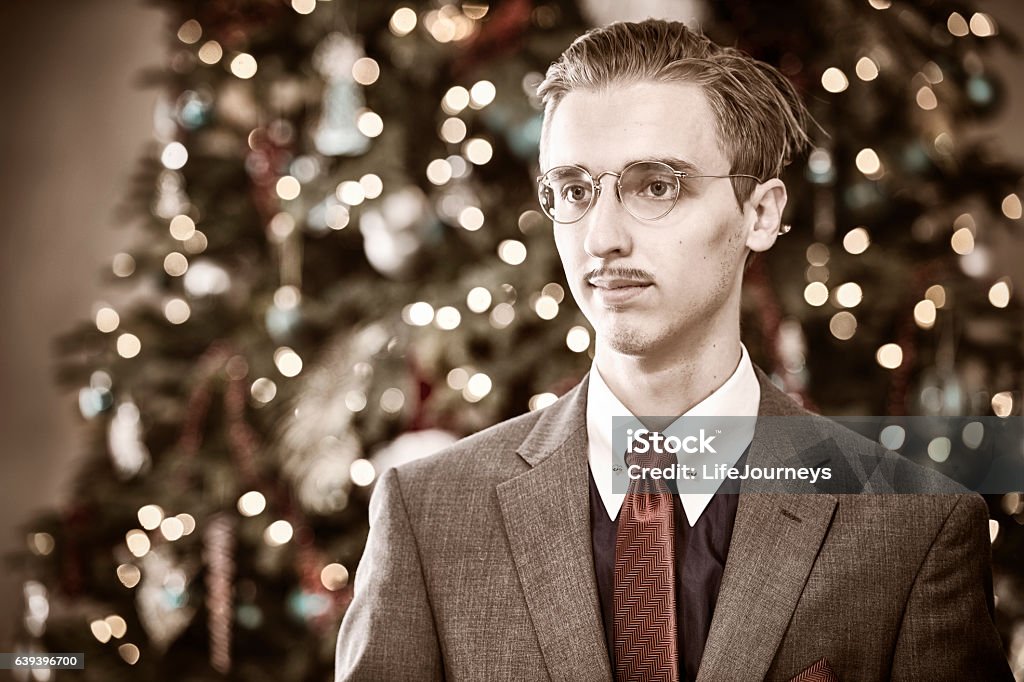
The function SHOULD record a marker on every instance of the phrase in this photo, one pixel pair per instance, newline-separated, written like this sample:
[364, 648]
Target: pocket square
[819, 671]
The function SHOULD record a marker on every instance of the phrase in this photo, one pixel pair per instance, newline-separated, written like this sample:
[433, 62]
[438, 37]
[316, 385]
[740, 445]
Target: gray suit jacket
[478, 566]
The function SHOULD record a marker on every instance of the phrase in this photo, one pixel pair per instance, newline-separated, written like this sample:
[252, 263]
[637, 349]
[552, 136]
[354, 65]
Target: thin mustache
[620, 273]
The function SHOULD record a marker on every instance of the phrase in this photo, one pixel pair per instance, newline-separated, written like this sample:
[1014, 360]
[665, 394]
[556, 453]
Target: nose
[606, 224]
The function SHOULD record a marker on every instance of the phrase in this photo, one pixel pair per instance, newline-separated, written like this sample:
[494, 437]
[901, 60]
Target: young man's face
[648, 286]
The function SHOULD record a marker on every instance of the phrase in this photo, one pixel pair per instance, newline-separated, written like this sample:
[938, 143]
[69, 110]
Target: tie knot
[651, 460]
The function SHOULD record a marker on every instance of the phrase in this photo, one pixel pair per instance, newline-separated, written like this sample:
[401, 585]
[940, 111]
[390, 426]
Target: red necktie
[646, 647]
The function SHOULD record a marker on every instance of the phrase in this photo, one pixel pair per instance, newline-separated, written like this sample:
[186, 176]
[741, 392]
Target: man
[512, 556]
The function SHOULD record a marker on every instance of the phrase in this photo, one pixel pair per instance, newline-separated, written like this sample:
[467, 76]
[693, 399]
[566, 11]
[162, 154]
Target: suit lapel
[546, 512]
[775, 541]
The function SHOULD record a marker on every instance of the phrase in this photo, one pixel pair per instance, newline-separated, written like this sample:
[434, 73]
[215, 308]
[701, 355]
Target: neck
[671, 384]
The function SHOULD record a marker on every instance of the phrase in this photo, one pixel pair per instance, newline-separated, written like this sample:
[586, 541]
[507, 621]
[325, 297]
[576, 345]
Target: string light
[252, 503]
[973, 434]
[512, 251]
[403, 21]
[278, 533]
[372, 185]
[849, 294]
[439, 171]
[866, 69]
[471, 218]
[362, 472]
[889, 356]
[478, 299]
[957, 25]
[175, 264]
[100, 630]
[541, 400]
[182, 227]
[554, 290]
[578, 339]
[816, 294]
[41, 544]
[188, 523]
[138, 542]
[868, 162]
[211, 52]
[982, 25]
[502, 315]
[447, 318]
[936, 293]
[1002, 404]
[355, 401]
[172, 528]
[926, 98]
[477, 388]
[244, 66]
[263, 390]
[999, 293]
[939, 449]
[418, 314]
[856, 241]
[350, 192]
[392, 400]
[817, 254]
[128, 345]
[453, 130]
[925, 314]
[834, 80]
[365, 71]
[457, 378]
[962, 241]
[892, 437]
[334, 577]
[129, 652]
[477, 150]
[123, 265]
[1011, 206]
[455, 100]
[337, 217]
[118, 626]
[107, 319]
[129, 575]
[174, 156]
[843, 325]
[546, 308]
[150, 516]
[304, 6]
[288, 187]
[481, 94]
[190, 32]
[287, 361]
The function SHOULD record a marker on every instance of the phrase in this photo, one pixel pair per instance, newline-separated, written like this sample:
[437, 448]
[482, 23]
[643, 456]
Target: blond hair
[761, 121]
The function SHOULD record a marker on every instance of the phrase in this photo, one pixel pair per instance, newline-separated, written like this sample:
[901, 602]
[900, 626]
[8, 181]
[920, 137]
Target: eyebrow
[676, 162]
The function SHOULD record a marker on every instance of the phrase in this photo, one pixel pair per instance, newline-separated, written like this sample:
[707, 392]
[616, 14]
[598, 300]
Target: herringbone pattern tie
[646, 646]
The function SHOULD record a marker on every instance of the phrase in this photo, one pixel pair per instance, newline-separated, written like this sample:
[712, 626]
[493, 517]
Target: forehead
[608, 128]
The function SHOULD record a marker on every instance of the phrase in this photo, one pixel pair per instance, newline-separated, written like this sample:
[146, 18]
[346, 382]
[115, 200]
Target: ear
[764, 211]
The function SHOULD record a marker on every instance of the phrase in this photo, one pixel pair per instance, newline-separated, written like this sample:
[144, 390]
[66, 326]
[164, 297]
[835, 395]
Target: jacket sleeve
[388, 631]
[947, 630]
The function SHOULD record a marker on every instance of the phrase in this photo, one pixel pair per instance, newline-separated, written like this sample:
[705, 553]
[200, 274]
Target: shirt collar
[739, 396]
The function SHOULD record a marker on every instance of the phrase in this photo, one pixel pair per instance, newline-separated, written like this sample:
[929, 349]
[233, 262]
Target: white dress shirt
[739, 396]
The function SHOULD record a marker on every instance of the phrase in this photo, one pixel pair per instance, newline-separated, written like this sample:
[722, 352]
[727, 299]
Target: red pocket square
[819, 671]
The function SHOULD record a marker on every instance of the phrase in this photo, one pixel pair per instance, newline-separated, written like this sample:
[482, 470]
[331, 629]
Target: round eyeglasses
[648, 190]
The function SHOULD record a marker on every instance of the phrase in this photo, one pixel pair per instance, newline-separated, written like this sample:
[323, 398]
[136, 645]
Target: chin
[628, 341]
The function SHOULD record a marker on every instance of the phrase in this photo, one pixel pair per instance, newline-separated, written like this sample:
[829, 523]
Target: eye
[575, 193]
[658, 188]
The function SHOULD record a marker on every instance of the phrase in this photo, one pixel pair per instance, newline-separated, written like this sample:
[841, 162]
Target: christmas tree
[345, 268]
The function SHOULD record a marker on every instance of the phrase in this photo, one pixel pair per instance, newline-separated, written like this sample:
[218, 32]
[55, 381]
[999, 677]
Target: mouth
[614, 292]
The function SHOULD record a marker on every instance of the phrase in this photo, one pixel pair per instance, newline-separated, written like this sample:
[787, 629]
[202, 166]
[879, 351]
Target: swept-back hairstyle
[761, 121]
